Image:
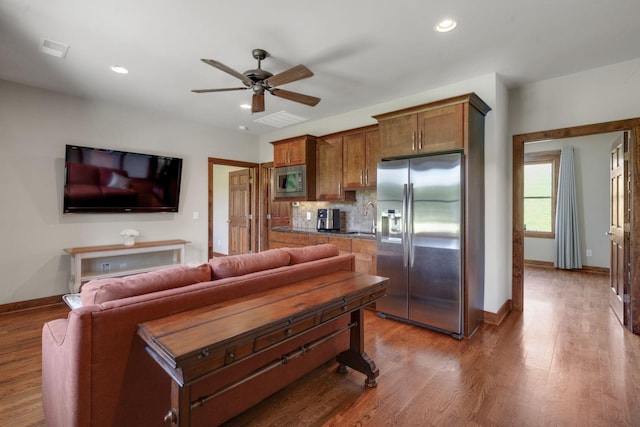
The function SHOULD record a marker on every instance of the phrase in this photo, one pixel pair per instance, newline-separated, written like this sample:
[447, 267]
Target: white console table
[98, 262]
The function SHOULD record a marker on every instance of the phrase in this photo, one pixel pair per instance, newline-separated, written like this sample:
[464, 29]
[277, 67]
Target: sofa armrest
[66, 365]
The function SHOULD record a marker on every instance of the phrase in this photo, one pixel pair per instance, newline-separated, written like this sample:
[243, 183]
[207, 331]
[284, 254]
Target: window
[540, 192]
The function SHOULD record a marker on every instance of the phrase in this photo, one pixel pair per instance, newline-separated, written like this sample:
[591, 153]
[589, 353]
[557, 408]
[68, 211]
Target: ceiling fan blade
[257, 103]
[220, 66]
[298, 72]
[218, 90]
[296, 97]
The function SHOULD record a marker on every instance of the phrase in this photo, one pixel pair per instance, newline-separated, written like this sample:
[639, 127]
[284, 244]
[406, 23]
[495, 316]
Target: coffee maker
[328, 220]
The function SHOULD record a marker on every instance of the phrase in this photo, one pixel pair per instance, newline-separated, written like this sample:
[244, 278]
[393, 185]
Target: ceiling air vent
[280, 119]
[53, 48]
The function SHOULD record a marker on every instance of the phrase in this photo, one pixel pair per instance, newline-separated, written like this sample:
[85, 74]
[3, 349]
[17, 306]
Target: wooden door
[619, 216]
[239, 212]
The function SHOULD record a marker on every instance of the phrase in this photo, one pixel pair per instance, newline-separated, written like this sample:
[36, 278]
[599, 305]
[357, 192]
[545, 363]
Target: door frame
[517, 272]
[255, 191]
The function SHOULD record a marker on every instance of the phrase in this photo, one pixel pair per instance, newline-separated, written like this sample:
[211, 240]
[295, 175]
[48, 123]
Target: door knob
[608, 233]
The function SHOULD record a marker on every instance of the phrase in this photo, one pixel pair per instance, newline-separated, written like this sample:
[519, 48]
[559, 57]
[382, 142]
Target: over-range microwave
[290, 181]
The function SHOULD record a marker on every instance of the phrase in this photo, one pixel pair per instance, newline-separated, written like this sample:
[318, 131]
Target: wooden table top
[186, 338]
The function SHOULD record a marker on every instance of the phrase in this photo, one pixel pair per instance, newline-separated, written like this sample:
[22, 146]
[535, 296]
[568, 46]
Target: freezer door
[435, 279]
[392, 249]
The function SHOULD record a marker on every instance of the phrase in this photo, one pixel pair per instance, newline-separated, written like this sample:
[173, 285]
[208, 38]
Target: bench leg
[356, 357]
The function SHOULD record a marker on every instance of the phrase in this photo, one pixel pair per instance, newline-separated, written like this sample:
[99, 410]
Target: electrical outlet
[589, 252]
[105, 266]
[123, 265]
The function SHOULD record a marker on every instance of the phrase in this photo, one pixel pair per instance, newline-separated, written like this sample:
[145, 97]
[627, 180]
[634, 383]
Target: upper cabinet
[430, 128]
[294, 151]
[329, 157]
[360, 159]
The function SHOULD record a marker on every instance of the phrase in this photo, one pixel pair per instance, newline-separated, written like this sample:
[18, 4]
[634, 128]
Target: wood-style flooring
[564, 361]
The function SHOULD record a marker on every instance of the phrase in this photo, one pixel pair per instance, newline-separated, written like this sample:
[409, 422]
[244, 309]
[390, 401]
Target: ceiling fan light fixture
[446, 25]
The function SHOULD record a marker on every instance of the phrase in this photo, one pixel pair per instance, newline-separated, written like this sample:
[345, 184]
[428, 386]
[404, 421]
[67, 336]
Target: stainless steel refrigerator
[419, 240]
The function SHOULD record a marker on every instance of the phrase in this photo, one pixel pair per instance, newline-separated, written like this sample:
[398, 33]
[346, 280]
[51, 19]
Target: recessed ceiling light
[245, 106]
[446, 25]
[243, 127]
[119, 69]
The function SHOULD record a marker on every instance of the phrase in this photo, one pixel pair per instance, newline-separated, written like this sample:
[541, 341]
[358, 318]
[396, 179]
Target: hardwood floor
[565, 361]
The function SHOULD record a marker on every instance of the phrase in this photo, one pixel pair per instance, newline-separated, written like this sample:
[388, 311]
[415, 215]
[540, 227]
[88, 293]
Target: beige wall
[35, 125]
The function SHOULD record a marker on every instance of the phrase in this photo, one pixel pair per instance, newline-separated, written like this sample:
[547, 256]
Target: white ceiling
[362, 52]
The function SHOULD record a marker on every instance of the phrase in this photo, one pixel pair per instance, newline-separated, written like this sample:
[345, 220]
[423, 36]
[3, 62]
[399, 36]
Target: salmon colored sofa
[96, 371]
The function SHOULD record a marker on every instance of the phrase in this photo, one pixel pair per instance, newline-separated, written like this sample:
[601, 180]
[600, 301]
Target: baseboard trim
[30, 304]
[548, 264]
[497, 318]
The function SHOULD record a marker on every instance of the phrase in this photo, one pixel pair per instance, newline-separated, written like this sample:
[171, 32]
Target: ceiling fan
[260, 80]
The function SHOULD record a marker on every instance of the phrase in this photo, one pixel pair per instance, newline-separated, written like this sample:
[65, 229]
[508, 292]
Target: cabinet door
[329, 169]
[371, 159]
[281, 154]
[441, 129]
[355, 154]
[365, 254]
[398, 136]
[297, 151]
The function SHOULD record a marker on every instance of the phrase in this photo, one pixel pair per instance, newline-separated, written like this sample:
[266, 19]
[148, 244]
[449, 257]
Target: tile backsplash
[354, 212]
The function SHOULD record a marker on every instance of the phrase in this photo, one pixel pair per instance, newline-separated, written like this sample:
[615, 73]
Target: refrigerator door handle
[405, 245]
[412, 251]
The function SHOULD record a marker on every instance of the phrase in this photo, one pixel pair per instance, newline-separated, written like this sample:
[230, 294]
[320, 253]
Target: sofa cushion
[102, 290]
[311, 253]
[238, 265]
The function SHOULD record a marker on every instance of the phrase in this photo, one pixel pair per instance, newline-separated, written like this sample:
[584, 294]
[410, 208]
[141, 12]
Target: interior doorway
[220, 238]
[519, 141]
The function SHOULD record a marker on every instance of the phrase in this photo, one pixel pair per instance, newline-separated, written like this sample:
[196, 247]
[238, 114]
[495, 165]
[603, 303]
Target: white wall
[35, 125]
[497, 166]
[599, 95]
[591, 156]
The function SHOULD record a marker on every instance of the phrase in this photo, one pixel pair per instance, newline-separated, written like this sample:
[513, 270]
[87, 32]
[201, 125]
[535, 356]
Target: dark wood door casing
[630, 125]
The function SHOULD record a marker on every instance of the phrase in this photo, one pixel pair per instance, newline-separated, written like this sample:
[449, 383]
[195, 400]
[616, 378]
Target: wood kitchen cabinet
[364, 250]
[365, 253]
[329, 185]
[360, 159]
[430, 128]
[294, 151]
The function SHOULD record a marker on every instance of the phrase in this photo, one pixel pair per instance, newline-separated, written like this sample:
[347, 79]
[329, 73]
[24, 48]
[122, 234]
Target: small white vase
[129, 240]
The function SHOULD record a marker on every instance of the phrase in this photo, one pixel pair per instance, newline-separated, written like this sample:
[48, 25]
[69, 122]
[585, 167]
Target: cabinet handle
[420, 139]
[366, 177]
[288, 157]
[339, 188]
[413, 141]
[361, 177]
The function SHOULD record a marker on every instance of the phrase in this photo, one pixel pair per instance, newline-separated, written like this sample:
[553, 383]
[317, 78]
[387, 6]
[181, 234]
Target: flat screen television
[100, 180]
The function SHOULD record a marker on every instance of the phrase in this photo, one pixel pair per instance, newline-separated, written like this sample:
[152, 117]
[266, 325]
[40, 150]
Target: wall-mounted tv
[100, 180]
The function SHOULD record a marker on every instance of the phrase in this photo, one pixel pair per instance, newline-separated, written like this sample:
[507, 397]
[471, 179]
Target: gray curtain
[567, 240]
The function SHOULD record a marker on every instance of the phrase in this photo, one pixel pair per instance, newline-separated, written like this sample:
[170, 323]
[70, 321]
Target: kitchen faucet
[373, 216]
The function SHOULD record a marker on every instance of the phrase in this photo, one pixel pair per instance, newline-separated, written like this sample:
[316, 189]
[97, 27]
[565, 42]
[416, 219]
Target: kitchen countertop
[348, 234]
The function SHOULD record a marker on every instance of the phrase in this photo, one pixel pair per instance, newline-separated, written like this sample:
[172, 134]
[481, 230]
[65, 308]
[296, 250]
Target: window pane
[537, 215]
[538, 180]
